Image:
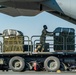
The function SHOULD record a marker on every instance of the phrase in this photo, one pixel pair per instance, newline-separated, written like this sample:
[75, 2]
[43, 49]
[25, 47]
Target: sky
[33, 25]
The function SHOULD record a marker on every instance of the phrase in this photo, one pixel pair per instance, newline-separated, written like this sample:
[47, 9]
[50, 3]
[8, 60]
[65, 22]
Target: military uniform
[41, 46]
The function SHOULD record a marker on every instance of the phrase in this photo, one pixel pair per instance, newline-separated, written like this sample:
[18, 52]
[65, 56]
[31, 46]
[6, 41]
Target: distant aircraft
[65, 9]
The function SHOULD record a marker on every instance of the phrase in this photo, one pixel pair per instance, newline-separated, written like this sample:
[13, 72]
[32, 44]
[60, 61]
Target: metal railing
[65, 43]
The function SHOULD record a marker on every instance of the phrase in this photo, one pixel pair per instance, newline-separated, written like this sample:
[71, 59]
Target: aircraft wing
[22, 0]
[18, 12]
[61, 8]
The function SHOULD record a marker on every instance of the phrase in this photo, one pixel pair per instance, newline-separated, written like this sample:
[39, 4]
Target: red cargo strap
[35, 66]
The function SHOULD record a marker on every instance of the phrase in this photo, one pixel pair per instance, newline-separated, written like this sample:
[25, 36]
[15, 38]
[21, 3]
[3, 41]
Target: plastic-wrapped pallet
[13, 41]
[11, 32]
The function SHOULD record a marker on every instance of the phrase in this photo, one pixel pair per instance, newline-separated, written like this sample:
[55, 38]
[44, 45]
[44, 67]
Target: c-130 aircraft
[65, 9]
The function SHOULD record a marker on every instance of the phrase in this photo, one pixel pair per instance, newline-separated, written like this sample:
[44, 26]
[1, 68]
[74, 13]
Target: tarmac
[36, 73]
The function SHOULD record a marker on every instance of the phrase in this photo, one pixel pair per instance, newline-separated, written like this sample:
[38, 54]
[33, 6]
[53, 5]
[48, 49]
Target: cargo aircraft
[65, 9]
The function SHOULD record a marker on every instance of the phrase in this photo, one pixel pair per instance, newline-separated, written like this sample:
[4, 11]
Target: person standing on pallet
[41, 46]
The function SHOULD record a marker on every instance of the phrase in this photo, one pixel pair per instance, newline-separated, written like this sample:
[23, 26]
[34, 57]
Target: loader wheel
[17, 64]
[52, 64]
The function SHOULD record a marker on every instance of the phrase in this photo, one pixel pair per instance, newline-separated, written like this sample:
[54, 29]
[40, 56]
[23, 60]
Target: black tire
[17, 64]
[51, 64]
[63, 67]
